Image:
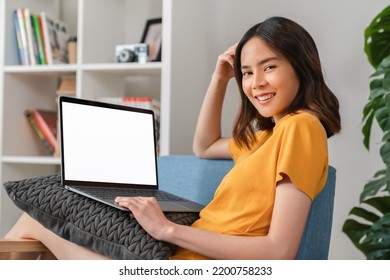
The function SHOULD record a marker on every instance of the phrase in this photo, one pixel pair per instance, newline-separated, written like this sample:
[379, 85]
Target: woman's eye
[269, 67]
[247, 73]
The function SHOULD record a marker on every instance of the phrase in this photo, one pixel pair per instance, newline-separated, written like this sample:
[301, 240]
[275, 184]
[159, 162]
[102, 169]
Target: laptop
[109, 150]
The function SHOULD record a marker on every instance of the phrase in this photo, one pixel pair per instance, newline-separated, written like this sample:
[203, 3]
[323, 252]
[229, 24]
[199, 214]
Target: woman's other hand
[149, 215]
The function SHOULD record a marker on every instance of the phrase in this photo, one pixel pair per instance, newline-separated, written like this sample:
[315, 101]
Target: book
[30, 37]
[21, 38]
[37, 32]
[46, 40]
[42, 38]
[55, 37]
[38, 132]
[44, 123]
[34, 40]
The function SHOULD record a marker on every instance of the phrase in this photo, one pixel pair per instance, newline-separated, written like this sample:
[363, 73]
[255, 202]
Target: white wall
[337, 27]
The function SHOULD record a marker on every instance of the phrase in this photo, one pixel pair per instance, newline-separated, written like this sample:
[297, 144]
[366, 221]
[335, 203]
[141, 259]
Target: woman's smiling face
[268, 79]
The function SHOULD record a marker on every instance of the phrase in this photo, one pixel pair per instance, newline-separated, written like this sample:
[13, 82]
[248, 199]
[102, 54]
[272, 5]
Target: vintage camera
[131, 53]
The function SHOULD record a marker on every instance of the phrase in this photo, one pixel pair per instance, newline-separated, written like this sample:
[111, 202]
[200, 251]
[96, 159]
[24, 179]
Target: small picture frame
[153, 37]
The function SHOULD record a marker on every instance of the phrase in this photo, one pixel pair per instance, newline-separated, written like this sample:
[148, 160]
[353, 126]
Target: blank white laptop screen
[108, 145]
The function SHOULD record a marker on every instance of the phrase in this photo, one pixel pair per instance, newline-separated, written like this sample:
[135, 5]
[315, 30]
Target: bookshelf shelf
[120, 67]
[31, 160]
[125, 68]
[41, 69]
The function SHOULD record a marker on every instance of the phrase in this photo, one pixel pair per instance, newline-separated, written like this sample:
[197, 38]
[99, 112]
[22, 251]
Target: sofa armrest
[191, 177]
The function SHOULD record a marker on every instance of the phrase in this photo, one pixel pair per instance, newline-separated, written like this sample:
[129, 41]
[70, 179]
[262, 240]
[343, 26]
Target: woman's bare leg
[27, 227]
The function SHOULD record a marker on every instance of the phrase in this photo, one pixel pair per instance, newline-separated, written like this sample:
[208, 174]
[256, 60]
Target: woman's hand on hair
[225, 64]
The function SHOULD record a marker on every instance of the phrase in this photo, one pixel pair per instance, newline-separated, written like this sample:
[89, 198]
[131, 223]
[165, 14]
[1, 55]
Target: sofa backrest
[197, 179]
[316, 237]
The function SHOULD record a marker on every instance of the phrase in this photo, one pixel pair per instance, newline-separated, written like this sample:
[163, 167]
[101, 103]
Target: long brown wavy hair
[295, 44]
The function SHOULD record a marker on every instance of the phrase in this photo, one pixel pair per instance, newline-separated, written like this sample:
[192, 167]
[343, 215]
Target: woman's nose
[258, 81]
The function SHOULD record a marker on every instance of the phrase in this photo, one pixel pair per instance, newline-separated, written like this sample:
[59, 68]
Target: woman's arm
[282, 242]
[208, 142]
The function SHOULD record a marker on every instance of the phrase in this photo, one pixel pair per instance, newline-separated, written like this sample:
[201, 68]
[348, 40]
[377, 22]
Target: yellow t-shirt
[243, 203]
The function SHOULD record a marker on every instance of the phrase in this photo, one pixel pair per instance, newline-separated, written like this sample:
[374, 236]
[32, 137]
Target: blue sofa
[202, 176]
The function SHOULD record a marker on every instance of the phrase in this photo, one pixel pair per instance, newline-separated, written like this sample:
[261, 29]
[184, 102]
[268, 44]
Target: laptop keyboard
[112, 193]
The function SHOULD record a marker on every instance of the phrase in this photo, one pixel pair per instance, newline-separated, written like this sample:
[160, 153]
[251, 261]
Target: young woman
[279, 146]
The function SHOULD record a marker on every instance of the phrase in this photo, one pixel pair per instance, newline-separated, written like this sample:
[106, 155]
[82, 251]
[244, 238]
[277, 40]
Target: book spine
[46, 39]
[23, 34]
[45, 129]
[29, 33]
[18, 38]
[21, 37]
[37, 31]
[35, 40]
[38, 132]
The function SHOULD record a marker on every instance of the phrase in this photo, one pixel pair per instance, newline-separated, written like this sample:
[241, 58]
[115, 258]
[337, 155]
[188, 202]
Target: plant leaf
[380, 112]
[375, 106]
[365, 214]
[387, 188]
[383, 67]
[385, 152]
[376, 89]
[382, 204]
[377, 38]
[373, 238]
[375, 185]
[367, 126]
[386, 136]
[355, 231]
[386, 81]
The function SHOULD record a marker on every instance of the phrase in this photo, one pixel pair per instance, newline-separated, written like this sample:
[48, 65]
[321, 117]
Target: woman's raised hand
[225, 64]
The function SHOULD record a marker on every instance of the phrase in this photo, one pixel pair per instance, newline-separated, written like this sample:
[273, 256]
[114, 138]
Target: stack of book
[40, 39]
[44, 125]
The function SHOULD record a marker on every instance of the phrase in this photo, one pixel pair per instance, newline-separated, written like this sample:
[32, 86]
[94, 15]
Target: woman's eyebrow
[261, 62]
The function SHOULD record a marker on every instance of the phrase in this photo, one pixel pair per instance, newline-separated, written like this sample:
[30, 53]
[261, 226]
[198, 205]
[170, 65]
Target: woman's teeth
[265, 97]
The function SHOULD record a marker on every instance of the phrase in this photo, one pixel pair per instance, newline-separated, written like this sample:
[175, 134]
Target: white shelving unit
[99, 25]
[191, 43]
[178, 81]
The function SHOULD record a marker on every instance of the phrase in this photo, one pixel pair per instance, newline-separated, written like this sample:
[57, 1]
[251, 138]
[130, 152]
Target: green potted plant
[368, 225]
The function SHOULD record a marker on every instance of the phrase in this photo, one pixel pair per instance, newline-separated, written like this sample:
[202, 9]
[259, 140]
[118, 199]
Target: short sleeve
[303, 154]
